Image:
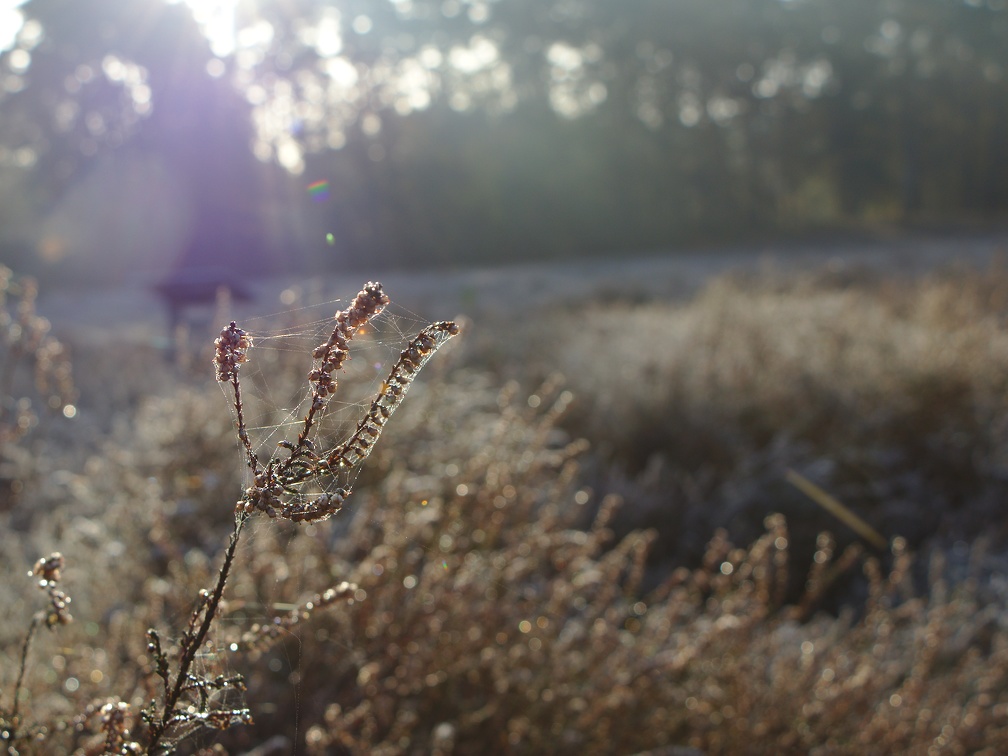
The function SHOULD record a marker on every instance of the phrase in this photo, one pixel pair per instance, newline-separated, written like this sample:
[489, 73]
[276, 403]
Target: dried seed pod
[231, 350]
[357, 448]
[48, 569]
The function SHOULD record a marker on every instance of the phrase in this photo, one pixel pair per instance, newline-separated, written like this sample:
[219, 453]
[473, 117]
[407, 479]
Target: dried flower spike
[331, 354]
[276, 490]
[232, 346]
[114, 717]
[48, 569]
[356, 449]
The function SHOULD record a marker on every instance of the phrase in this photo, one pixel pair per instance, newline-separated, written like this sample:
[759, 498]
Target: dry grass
[890, 395]
[520, 589]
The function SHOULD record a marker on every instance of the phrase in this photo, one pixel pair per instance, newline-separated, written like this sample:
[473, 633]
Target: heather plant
[34, 368]
[186, 697]
[495, 590]
[47, 570]
[494, 623]
[277, 492]
[887, 392]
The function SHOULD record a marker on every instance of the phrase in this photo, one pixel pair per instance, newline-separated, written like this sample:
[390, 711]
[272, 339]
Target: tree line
[489, 130]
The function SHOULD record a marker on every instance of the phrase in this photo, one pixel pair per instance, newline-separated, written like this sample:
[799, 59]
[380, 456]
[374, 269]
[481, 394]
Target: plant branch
[192, 642]
[11, 734]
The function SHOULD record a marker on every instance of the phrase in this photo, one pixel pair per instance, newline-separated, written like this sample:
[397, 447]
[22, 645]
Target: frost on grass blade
[356, 449]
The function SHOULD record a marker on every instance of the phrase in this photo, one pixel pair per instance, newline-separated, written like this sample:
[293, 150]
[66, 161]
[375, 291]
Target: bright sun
[215, 17]
[217, 20]
[10, 22]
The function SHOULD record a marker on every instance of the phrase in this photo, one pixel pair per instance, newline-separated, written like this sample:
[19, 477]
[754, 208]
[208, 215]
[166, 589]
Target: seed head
[232, 345]
[48, 569]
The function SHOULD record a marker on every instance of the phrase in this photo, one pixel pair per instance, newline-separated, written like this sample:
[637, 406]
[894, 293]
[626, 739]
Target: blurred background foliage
[141, 136]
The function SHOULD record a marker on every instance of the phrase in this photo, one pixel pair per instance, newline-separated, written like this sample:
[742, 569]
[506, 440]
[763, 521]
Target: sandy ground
[90, 315]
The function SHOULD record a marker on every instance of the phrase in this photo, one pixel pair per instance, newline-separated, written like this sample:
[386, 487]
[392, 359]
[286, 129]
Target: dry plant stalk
[275, 491]
[276, 485]
[25, 341]
[48, 570]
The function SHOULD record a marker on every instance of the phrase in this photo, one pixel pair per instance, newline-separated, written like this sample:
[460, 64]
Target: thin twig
[837, 509]
[192, 643]
[11, 735]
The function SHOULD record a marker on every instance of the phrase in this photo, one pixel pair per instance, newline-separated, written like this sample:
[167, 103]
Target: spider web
[276, 395]
[276, 392]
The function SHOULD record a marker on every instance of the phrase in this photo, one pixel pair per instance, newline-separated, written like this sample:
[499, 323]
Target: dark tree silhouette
[475, 130]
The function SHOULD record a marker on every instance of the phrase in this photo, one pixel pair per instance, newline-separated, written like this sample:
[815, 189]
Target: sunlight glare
[328, 36]
[217, 20]
[481, 54]
[11, 21]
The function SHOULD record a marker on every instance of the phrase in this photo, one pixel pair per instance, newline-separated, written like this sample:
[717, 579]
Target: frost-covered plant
[26, 346]
[300, 483]
[47, 571]
[276, 490]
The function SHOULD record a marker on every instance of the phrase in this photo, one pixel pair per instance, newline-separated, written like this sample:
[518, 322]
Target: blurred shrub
[504, 606]
[888, 393]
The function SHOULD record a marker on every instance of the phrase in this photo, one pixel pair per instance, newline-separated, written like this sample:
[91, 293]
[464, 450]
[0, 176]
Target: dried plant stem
[205, 613]
[838, 510]
[253, 460]
[47, 570]
[276, 489]
[356, 449]
[11, 734]
[329, 358]
[270, 485]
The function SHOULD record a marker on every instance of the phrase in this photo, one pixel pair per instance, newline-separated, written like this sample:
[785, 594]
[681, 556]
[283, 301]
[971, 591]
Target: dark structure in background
[197, 287]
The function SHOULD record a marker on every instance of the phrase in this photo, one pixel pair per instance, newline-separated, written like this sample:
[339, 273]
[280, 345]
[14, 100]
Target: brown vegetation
[546, 564]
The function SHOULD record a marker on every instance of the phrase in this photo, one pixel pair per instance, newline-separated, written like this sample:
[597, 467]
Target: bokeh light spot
[215, 68]
[362, 24]
[19, 60]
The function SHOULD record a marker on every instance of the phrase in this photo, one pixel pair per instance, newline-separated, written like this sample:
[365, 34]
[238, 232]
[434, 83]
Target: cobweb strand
[278, 488]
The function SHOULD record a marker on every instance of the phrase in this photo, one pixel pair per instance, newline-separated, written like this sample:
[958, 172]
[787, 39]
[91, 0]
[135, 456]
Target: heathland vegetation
[579, 534]
[766, 516]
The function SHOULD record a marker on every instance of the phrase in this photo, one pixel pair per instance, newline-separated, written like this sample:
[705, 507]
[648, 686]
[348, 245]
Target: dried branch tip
[369, 301]
[232, 346]
[356, 449]
[47, 570]
[278, 490]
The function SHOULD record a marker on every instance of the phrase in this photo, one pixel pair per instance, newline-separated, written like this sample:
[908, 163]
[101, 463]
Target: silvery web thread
[370, 356]
[376, 347]
[262, 408]
[346, 457]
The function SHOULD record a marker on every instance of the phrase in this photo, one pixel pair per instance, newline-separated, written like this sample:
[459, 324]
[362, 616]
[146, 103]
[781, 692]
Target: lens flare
[319, 191]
